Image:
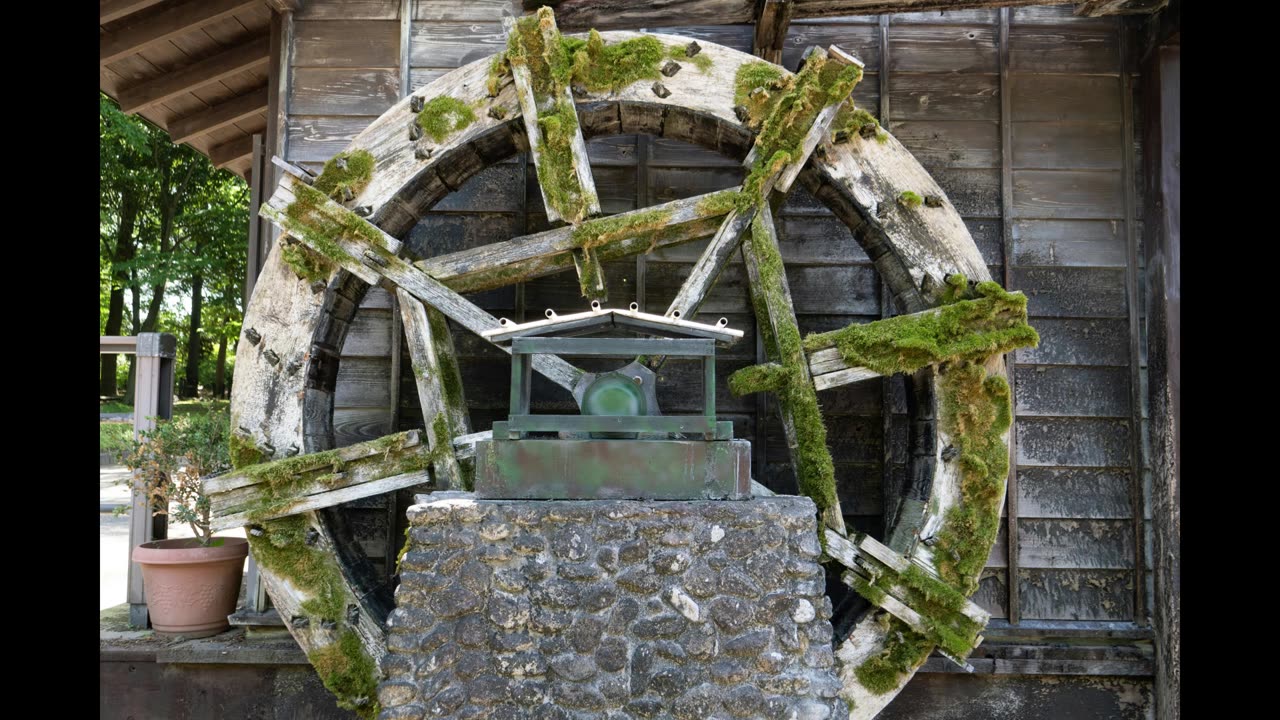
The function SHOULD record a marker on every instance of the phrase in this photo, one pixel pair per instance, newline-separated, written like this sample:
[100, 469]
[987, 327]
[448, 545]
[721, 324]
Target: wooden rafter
[166, 25]
[773, 18]
[1099, 8]
[112, 10]
[375, 265]
[247, 55]
[225, 113]
[231, 151]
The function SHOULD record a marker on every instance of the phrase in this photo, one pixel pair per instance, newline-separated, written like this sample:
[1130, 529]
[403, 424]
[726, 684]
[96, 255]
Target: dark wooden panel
[988, 236]
[562, 293]
[1074, 543]
[858, 485]
[999, 556]
[971, 16]
[861, 40]
[370, 43]
[969, 144]
[316, 139]
[944, 97]
[353, 425]
[1078, 342]
[377, 299]
[494, 189]
[363, 382]
[612, 150]
[453, 45]
[680, 387]
[440, 233]
[667, 184]
[1059, 146]
[419, 76]
[1064, 50]
[325, 91]
[1069, 442]
[369, 336]
[974, 193]
[677, 153]
[947, 696]
[818, 240]
[1072, 291]
[1073, 493]
[1065, 390]
[1096, 243]
[1061, 14]
[351, 9]
[992, 594]
[801, 202]
[1068, 194]
[1076, 594]
[851, 438]
[464, 10]
[943, 49]
[1064, 97]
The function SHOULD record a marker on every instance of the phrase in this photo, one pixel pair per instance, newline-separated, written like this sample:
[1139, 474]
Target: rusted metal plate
[613, 469]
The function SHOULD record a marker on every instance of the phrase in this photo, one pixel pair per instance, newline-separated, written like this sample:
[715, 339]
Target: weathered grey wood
[1076, 594]
[773, 18]
[166, 25]
[329, 498]
[530, 105]
[246, 56]
[1013, 537]
[221, 115]
[341, 91]
[362, 44]
[543, 253]
[152, 400]
[782, 319]
[400, 273]
[429, 344]
[1073, 442]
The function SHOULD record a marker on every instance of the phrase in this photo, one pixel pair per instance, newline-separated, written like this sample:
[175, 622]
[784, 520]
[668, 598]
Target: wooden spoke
[435, 373]
[318, 480]
[781, 321]
[533, 256]
[531, 106]
[376, 262]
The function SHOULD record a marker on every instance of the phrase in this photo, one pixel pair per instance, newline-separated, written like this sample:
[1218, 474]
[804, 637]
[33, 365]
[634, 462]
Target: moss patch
[853, 120]
[243, 451]
[702, 60]
[349, 673]
[599, 67]
[499, 71]
[443, 116]
[904, 650]
[910, 199]
[759, 74]
[759, 378]
[602, 231]
[305, 262]
[346, 171]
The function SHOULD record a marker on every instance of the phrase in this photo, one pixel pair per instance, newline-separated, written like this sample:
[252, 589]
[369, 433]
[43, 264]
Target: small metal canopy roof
[598, 318]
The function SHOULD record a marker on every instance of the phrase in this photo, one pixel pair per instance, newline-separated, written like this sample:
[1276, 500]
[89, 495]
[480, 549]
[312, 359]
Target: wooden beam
[434, 373]
[530, 105]
[380, 265]
[1098, 8]
[112, 10]
[533, 256]
[773, 18]
[231, 151]
[167, 25]
[248, 55]
[184, 129]
[1013, 538]
[1163, 28]
[283, 6]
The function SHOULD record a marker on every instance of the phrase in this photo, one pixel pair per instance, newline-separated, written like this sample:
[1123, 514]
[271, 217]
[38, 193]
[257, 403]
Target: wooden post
[257, 177]
[1162, 148]
[1006, 213]
[153, 398]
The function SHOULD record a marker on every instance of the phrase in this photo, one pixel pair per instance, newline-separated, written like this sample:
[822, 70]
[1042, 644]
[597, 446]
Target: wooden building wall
[1021, 115]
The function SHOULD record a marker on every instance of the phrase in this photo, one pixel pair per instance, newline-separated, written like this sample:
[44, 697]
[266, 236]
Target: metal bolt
[416, 102]
[422, 153]
[363, 210]
[661, 90]
[267, 448]
[637, 379]
[328, 624]
[318, 286]
[300, 621]
[347, 195]
[293, 450]
[497, 112]
[252, 336]
[340, 163]
[311, 538]
[741, 112]
[256, 531]
[271, 357]
[949, 453]
[293, 367]
[353, 614]
[671, 68]
[932, 201]
[415, 130]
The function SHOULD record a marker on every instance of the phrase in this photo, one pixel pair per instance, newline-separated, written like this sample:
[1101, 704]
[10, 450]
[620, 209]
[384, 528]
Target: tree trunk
[191, 385]
[122, 252]
[220, 375]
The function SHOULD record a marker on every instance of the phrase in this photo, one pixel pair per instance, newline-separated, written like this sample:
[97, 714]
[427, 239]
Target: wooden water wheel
[393, 172]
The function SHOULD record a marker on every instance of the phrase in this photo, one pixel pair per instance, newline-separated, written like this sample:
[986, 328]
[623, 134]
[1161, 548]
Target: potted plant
[191, 584]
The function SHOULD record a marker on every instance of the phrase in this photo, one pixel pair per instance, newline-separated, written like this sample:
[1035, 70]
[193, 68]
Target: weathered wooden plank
[440, 393]
[1078, 342]
[773, 17]
[1055, 14]
[464, 10]
[1059, 442]
[975, 193]
[987, 234]
[1064, 50]
[318, 138]
[736, 36]
[363, 382]
[818, 241]
[363, 44]
[232, 151]
[369, 335]
[935, 695]
[343, 91]
[165, 25]
[112, 10]
[1079, 243]
[350, 10]
[992, 594]
[329, 498]
[1075, 543]
[958, 144]
[245, 56]
[944, 97]
[1072, 291]
[1063, 146]
[225, 113]
[493, 189]
[943, 49]
[860, 39]
[441, 233]
[353, 425]
[1080, 493]
[1068, 194]
[667, 152]
[453, 45]
[1092, 98]
[1071, 594]
[1068, 391]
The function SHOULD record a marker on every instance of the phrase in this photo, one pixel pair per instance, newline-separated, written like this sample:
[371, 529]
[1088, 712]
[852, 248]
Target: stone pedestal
[611, 609]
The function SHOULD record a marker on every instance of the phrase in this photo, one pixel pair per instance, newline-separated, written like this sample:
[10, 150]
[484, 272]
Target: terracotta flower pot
[191, 590]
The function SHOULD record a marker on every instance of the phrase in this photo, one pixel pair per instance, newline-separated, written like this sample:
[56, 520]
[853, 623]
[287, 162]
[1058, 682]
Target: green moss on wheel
[347, 171]
[443, 116]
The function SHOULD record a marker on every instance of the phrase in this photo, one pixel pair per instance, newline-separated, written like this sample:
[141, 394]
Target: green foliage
[904, 650]
[443, 116]
[758, 74]
[499, 70]
[702, 60]
[758, 378]
[599, 67]
[170, 461]
[556, 172]
[115, 437]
